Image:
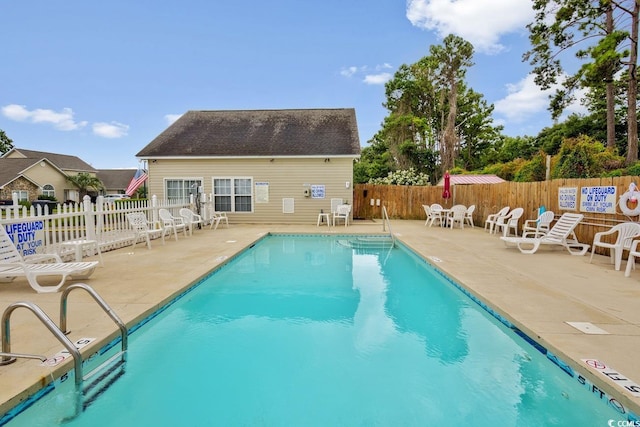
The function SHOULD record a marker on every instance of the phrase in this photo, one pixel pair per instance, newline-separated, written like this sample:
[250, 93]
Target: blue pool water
[309, 331]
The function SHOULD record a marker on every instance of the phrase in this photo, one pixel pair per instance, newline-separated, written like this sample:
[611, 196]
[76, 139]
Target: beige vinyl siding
[287, 178]
[43, 173]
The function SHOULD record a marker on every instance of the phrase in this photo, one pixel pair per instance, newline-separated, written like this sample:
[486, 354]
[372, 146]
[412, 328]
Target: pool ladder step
[382, 242]
[102, 377]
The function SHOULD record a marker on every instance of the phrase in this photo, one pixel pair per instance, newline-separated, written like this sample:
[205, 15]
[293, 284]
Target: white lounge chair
[142, 227]
[171, 224]
[490, 222]
[13, 265]
[539, 226]
[561, 234]
[190, 218]
[625, 233]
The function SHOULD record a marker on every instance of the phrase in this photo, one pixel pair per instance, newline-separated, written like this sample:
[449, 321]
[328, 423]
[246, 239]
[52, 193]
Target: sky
[100, 80]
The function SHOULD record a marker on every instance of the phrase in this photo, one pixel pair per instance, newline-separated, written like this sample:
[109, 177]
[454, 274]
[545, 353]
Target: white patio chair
[427, 211]
[217, 218]
[342, 212]
[437, 214]
[143, 228]
[171, 224]
[625, 233]
[539, 226]
[490, 222]
[191, 219]
[457, 216]
[509, 222]
[469, 215]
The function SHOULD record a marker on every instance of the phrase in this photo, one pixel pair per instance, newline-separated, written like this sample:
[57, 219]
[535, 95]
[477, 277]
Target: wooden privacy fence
[405, 202]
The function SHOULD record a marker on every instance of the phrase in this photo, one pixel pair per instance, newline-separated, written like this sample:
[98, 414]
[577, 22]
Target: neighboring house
[34, 173]
[261, 166]
[115, 181]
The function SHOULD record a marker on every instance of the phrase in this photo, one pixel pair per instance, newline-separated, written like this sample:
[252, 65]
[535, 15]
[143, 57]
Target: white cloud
[170, 118]
[110, 130]
[349, 71]
[60, 120]
[526, 99]
[370, 79]
[377, 79]
[481, 22]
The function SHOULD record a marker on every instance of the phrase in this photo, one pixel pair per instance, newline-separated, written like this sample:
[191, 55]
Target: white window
[233, 194]
[48, 191]
[180, 189]
[23, 195]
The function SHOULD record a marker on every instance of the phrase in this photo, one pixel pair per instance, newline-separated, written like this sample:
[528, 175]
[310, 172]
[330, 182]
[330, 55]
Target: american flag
[138, 179]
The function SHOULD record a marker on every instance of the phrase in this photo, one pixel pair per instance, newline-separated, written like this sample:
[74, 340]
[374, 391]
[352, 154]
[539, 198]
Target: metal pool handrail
[101, 302]
[385, 220]
[9, 357]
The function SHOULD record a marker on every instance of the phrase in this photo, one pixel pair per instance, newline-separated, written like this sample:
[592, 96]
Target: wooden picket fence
[405, 202]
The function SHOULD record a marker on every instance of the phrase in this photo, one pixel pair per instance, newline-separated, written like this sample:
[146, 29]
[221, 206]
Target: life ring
[631, 195]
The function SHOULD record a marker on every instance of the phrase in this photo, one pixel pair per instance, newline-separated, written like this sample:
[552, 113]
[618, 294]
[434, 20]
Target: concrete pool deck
[538, 293]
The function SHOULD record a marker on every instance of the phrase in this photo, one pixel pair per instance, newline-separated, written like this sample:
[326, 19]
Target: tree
[451, 61]
[84, 182]
[434, 118]
[6, 143]
[562, 26]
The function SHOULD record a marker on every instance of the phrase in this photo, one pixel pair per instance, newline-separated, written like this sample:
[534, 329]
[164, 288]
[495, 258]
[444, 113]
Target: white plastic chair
[436, 213]
[626, 232]
[490, 222]
[217, 218]
[539, 226]
[469, 215]
[191, 219]
[457, 216]
[342, 212]
[142, 227]
[171, 224]
[509, 222]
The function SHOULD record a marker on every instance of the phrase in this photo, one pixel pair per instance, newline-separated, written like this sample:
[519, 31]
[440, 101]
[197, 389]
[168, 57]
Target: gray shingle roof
[10, 169]
[115, 179]
[62, 161]
[257, 133]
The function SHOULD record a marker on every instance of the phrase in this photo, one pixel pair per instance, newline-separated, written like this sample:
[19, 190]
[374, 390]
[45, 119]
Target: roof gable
[115, 179]
[62, 161]
[13, 168]
[257, 133]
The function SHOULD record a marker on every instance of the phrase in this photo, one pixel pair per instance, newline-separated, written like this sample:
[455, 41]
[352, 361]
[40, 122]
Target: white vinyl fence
[37, 230]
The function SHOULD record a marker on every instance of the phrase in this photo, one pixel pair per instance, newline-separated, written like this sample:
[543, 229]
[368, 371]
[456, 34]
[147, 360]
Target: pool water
[310, 331]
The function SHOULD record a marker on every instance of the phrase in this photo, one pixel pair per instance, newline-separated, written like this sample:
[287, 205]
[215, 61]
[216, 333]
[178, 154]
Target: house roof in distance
[472, 179]
[259, 133]
[62, 161]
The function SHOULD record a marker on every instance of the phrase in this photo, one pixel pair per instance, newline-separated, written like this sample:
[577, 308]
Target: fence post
[88, 218]
[154, 208]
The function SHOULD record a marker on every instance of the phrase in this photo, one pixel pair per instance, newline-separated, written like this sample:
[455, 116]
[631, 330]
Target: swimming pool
[303, 330]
